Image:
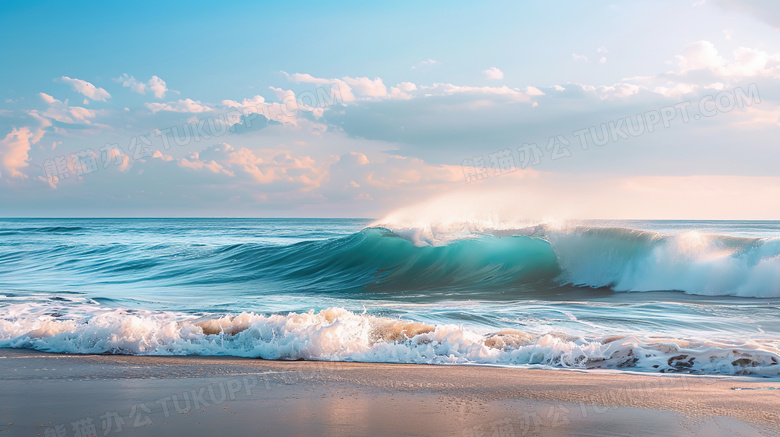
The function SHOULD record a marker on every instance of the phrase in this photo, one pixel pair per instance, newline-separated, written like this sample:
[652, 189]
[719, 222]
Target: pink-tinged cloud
[185, 105]
[13, 151]
[156, 85]
[261, 166]
[63, 112]
[86, 88]
[747, 62]
[367, 87]
[493, 73]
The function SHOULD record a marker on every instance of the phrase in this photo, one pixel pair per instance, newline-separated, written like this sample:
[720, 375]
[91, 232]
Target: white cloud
[185, 105]
[493, 73]
[367, 87]
[62, 112]
[86, 88]
[47, 98]
[701, 67]
[156, 85]
[247, 105]
[403, 90]
[286, 111]
[450, 89]
[132, 83]
[579, 58]
[619, 90]
[344, 89]
[702, 55]
[752, 62]
[425, 64]
[363, 86]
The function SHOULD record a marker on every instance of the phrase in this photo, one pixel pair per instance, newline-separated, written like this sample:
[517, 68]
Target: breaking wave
[336, 334]
[381, 260]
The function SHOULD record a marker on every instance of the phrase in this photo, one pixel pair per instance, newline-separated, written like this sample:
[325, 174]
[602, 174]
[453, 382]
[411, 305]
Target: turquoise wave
[377, 260]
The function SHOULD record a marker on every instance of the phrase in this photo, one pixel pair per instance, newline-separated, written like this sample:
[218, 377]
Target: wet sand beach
[78, 395]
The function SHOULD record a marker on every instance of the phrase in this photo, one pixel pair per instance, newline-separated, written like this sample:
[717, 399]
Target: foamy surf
[336, 334]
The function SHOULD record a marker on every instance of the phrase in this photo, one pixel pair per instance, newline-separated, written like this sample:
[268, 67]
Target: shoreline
[147, 395]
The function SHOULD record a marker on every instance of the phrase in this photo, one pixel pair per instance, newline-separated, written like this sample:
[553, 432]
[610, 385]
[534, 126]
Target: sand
[78, 395]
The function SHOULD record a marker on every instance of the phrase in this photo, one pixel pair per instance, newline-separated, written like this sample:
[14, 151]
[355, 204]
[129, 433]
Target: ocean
[693, 297]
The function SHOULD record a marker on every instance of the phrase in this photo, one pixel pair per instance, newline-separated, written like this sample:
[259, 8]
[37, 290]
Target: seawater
[697, 297]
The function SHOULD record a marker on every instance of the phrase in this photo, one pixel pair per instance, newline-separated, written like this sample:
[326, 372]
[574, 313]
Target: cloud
[63, 112]
[747, 62]
[425, 64]
[357, 88]
[676, 91]
[449, 89]
[159, 155]
[579, 58]
[185, 105]
[114, 154]
[261, 166]
[701, 67]
[287, 111]
[156, 85]
[755, 117]
[700, 55]
[603, 51]
[344, 89]
[195, 163]
[13, 151]
[361, 85]
[384, 178]
[618, 90]
[446, 123]
[367, 87]
[247, 105]
[493, 73]
[403, 90]
[132, 83]
[86, 88]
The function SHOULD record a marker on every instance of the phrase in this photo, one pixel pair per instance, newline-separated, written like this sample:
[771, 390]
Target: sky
[562, 109]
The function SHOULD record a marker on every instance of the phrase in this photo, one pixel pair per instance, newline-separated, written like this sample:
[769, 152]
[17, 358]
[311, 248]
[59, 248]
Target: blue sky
[426, 94]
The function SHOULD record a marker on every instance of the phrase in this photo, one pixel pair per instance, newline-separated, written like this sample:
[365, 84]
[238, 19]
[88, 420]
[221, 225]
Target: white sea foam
[690, 262]
[338, 334]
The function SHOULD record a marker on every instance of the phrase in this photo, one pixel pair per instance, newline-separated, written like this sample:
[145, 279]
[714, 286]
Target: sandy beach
[78, 395]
